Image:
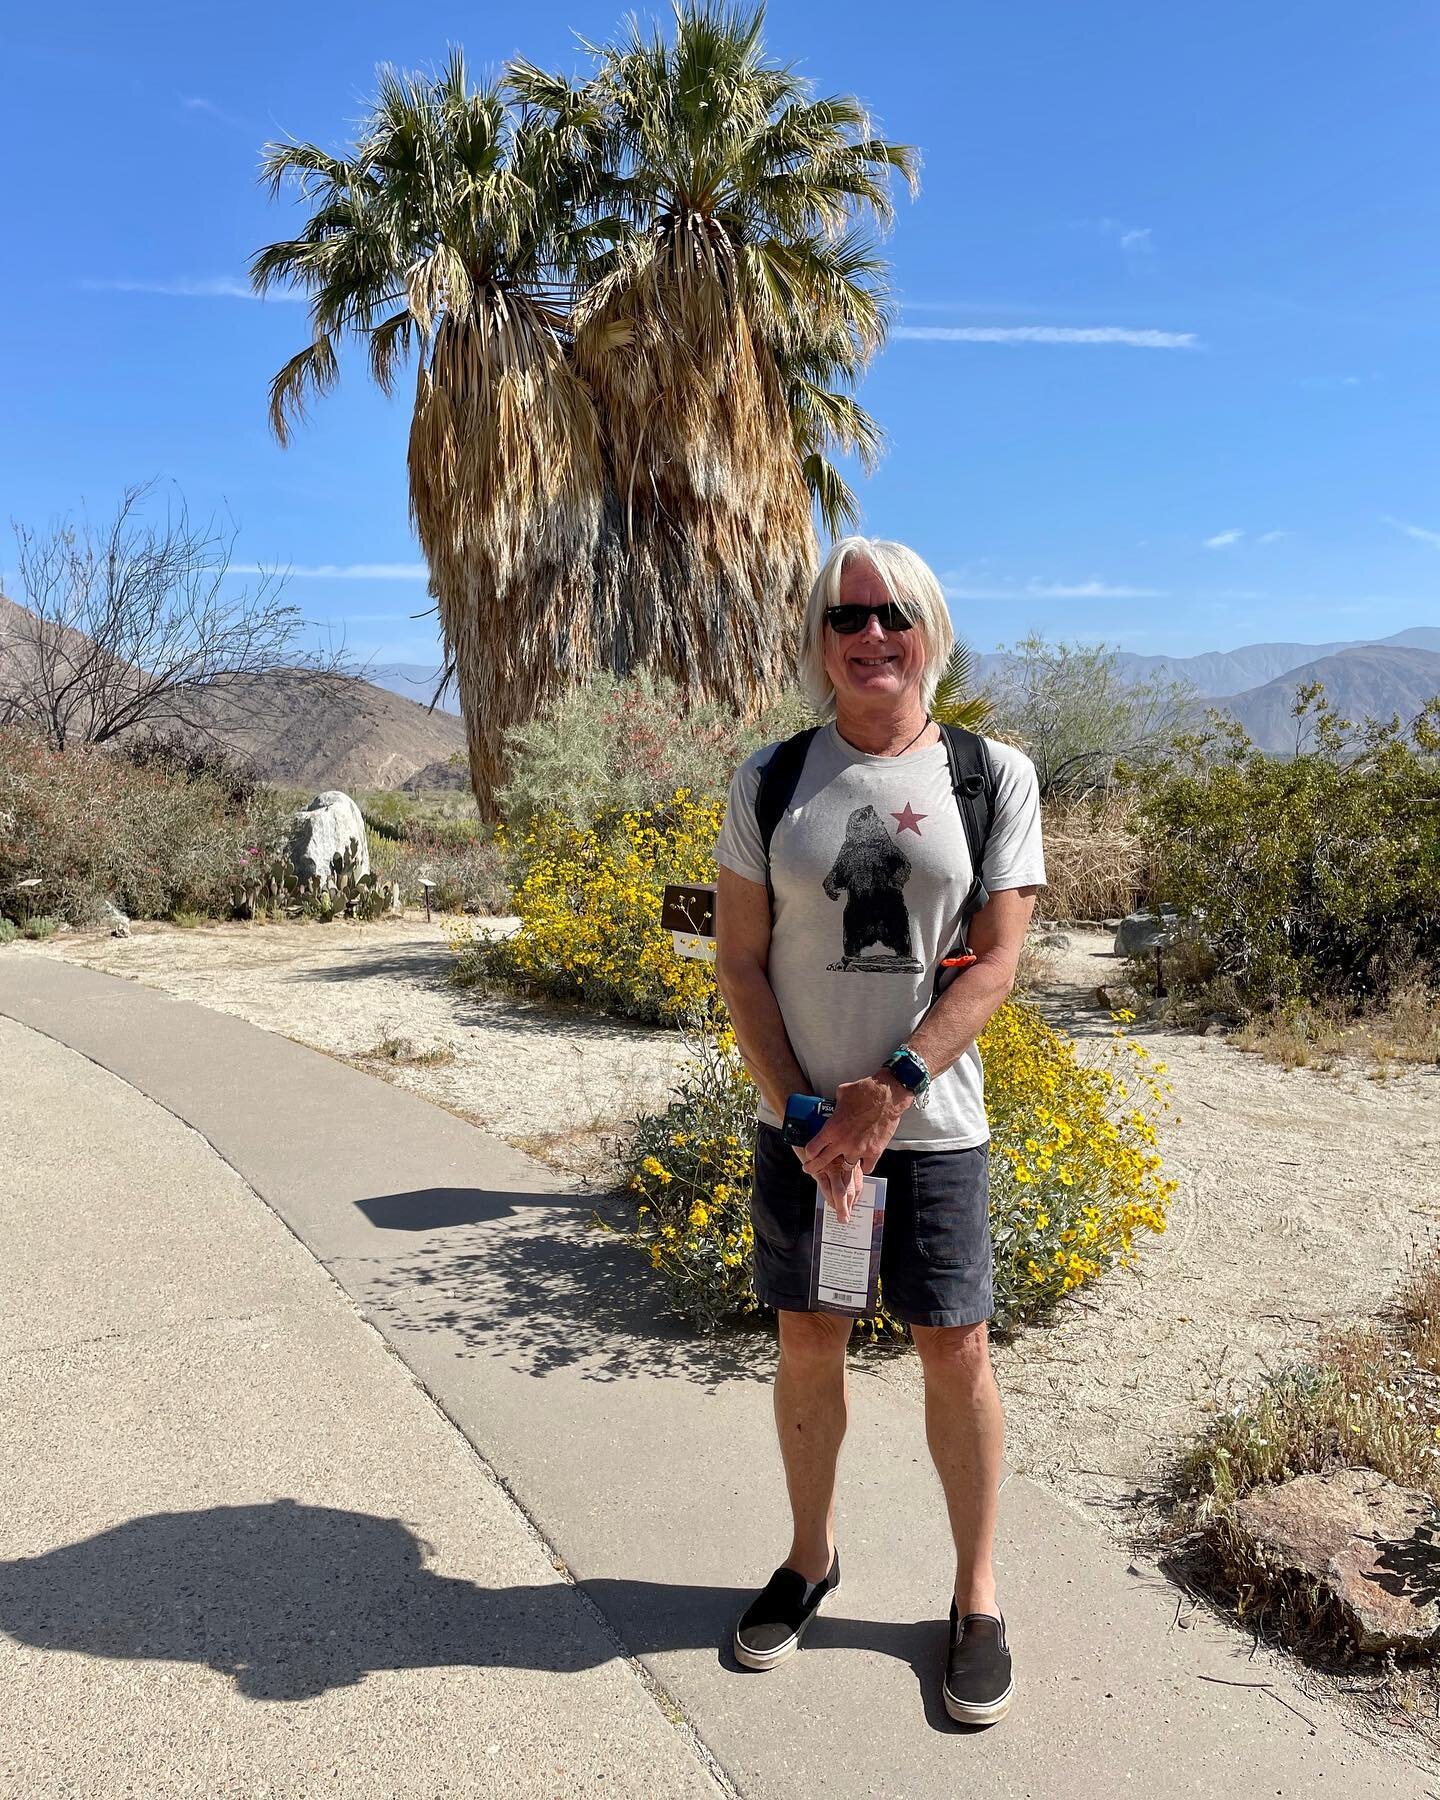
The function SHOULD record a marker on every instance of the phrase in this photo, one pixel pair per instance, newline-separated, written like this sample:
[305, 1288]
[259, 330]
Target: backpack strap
[972, 777]
[779, 779]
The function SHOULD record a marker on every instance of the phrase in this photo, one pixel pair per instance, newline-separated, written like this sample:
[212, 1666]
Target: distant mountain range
[415, 681]
[1256, 684]
[1367, 681]
[379, 731]
[341, 732]
[1220, 673]
[305, 733]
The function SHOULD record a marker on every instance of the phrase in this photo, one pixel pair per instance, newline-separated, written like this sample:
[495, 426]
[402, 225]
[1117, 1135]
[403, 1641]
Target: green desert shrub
[1306, 877]
[89, 825]
[459, 856]
[618, 746]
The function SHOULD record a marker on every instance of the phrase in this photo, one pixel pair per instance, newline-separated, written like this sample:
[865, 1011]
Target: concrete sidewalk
[240, 1550]
[646, 1458]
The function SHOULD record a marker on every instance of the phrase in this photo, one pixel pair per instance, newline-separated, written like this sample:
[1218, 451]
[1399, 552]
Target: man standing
[830, 939]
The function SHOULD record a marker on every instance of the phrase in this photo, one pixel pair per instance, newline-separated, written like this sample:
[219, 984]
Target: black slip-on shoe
[978, 1682]
[773, 1624]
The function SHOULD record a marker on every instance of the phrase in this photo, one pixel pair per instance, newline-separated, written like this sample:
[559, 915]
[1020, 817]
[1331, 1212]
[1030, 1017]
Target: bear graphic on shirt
[871, 871]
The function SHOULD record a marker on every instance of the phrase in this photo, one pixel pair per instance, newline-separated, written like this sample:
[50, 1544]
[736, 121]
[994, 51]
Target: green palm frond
[953, 703]
[834, 498]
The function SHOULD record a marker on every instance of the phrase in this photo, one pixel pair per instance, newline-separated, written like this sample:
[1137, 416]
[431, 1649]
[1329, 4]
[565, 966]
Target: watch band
[911, 1070]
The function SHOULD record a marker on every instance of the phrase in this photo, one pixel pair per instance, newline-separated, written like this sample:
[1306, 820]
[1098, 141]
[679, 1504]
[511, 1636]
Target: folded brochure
[845, 1261]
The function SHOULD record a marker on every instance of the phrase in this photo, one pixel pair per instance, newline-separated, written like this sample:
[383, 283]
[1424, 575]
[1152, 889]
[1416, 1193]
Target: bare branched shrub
[136, 624]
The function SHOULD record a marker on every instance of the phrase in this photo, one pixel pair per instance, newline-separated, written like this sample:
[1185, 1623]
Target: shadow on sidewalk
[442, 1208]
[545, 1281]
[291, 1601]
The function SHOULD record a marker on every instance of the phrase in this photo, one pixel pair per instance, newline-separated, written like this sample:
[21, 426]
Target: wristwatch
[911, 1070]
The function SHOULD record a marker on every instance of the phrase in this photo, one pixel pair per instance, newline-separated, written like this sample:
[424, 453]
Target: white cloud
[1134, 239]
[1222, 540]
[956, 588]
[1049, 334]
[1271, 537]
[185, 287]
[413, 571]
[1019, 308]
[1420, 533]
[1324, 383]
[199, 104]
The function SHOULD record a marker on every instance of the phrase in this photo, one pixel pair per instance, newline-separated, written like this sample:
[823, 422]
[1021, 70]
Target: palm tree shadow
[290, 1600]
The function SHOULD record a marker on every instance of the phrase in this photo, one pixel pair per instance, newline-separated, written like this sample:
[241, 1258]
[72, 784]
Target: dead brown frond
[505, 488]
[709, 547]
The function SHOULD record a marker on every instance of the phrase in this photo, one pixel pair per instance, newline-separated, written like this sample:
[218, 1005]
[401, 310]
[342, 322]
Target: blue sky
[1240, 199]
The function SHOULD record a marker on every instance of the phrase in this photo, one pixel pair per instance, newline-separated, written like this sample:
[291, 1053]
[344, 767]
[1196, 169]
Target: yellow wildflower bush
[689, 1172]
[588, 898]
[1075, 1172]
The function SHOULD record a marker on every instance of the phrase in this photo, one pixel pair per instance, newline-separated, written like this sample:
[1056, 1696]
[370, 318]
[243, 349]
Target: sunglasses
[847, 620]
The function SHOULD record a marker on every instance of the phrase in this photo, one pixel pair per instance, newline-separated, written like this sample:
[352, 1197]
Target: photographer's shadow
[291, 1600]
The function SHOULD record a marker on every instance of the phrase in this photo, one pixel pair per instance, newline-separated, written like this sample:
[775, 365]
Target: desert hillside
[340, 732]
[1374, 681]
[306, 733]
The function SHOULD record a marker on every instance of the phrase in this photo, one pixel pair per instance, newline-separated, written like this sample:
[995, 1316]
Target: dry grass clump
[1370, 1399]
[399, 1050]
[1096, 865]
[1404, 1029]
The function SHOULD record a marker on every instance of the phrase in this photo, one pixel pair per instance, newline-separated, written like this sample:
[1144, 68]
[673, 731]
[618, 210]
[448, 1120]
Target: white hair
[910, 583]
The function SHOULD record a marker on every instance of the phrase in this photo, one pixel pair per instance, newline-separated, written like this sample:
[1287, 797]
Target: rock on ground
[322, 830]
[1367, 1543]
[1143, 931]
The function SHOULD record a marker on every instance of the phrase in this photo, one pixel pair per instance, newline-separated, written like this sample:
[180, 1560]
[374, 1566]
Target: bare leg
[966, 1433]
[810, 1395]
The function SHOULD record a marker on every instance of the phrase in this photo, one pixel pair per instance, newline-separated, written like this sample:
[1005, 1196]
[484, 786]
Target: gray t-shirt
[870, 869]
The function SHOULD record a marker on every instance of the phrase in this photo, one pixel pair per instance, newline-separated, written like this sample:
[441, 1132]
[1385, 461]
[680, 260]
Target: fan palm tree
[718, 334]
[450, 233]
[637, 306]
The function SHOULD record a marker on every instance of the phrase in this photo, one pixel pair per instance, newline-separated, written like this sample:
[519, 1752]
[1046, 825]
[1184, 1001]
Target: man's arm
[742, 956]
[868, 1111]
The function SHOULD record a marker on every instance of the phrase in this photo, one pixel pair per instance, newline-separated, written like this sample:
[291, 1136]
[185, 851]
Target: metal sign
[688, 914]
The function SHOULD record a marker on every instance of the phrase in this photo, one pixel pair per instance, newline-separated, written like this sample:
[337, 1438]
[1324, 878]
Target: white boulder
[323, 830]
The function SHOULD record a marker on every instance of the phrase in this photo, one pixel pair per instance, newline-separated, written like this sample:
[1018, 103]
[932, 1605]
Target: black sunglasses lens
[849, 619]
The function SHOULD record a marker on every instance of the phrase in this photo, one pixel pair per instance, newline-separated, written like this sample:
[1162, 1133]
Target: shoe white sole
[767, 1659]
[964, 1712]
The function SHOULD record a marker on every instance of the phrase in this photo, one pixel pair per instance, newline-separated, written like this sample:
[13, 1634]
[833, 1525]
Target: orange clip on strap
[957, 962]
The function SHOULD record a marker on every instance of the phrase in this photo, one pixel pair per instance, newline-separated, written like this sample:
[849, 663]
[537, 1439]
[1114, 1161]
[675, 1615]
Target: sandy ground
[548, 1079]
[1301, 1194]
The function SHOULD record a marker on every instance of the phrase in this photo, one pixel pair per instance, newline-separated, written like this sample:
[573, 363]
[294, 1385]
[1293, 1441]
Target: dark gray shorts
[936, 1266]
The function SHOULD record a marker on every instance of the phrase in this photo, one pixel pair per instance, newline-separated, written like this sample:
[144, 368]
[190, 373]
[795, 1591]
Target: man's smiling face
[873, 666]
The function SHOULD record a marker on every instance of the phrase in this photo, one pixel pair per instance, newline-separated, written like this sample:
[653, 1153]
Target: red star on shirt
[909, 820]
